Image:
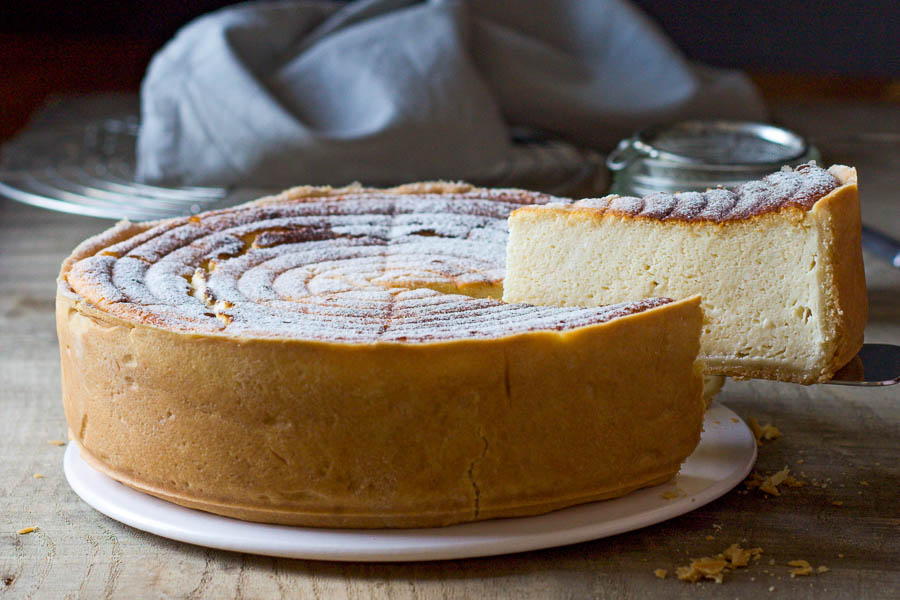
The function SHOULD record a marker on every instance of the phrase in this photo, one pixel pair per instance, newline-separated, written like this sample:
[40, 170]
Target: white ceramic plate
[726, 453]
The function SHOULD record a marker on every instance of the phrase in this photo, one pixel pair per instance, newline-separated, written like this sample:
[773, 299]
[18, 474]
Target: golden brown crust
[436, 518]
[841, 228]
[321, 434]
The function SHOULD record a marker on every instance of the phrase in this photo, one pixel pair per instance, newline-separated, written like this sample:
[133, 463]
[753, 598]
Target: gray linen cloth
[386, 91]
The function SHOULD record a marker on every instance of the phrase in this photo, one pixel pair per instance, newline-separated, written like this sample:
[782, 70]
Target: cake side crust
[840, 230]
[261, 514]
[264, 429]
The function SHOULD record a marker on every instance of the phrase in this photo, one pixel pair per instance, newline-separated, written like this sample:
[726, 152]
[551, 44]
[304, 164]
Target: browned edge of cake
[81, 390]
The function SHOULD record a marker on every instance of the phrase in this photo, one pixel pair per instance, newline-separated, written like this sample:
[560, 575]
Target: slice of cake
[778, 263]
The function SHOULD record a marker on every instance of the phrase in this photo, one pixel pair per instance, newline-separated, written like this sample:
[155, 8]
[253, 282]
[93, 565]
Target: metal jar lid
[698, 155]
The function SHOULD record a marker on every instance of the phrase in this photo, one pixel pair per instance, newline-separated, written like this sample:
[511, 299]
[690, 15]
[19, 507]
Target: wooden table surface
[844, 439]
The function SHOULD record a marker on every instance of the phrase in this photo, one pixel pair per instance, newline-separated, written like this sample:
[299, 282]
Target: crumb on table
[715, 568]
[763, 433]
[801, 568]
[770, 484]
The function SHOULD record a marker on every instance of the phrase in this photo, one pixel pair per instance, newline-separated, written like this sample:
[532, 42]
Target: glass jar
[698, 155]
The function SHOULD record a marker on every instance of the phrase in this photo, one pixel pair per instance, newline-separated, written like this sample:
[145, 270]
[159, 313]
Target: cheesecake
[341, 358]
[778, 264]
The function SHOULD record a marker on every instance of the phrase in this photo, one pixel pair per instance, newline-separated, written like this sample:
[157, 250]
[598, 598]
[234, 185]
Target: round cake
[339, 357]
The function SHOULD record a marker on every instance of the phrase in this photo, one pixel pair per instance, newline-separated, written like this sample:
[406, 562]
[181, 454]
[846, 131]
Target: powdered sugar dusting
[362, 267]
[800, 188]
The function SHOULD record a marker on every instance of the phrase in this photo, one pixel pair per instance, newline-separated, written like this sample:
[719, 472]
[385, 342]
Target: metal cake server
[875, 365]
[881, 245]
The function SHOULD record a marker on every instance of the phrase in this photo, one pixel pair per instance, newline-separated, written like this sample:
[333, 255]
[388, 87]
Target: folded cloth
[385, 91]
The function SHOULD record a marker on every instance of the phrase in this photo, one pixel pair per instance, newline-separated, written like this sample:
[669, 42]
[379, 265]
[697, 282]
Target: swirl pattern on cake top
[789, 188]
[413, 264]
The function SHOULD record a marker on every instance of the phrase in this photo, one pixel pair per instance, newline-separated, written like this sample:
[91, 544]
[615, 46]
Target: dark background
[791, 48]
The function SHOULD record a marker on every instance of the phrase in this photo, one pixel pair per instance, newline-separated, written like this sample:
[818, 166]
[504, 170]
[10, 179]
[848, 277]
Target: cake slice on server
[778, 263]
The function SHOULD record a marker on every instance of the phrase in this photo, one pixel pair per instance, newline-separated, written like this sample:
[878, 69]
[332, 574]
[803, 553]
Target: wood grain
[844, 436]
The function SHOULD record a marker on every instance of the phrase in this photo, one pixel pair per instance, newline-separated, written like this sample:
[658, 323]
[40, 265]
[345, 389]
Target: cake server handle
[875, 365]
[882, 245]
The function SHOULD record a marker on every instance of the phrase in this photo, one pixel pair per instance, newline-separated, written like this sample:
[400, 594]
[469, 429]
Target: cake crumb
[700, 568]
[735, 420]
[56, 442]
[670, 495]
[715, 567]
[660, 573]
[771, 588]
[864, 483]
[822, 569]
[38, 476]
[770, 484]
[763, 433]
[792, 481]
[739, 557]
[26, 530]
[838, 503]
[801, 568]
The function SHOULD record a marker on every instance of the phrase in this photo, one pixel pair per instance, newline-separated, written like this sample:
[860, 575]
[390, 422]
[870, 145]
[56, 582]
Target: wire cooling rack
[74, 160]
